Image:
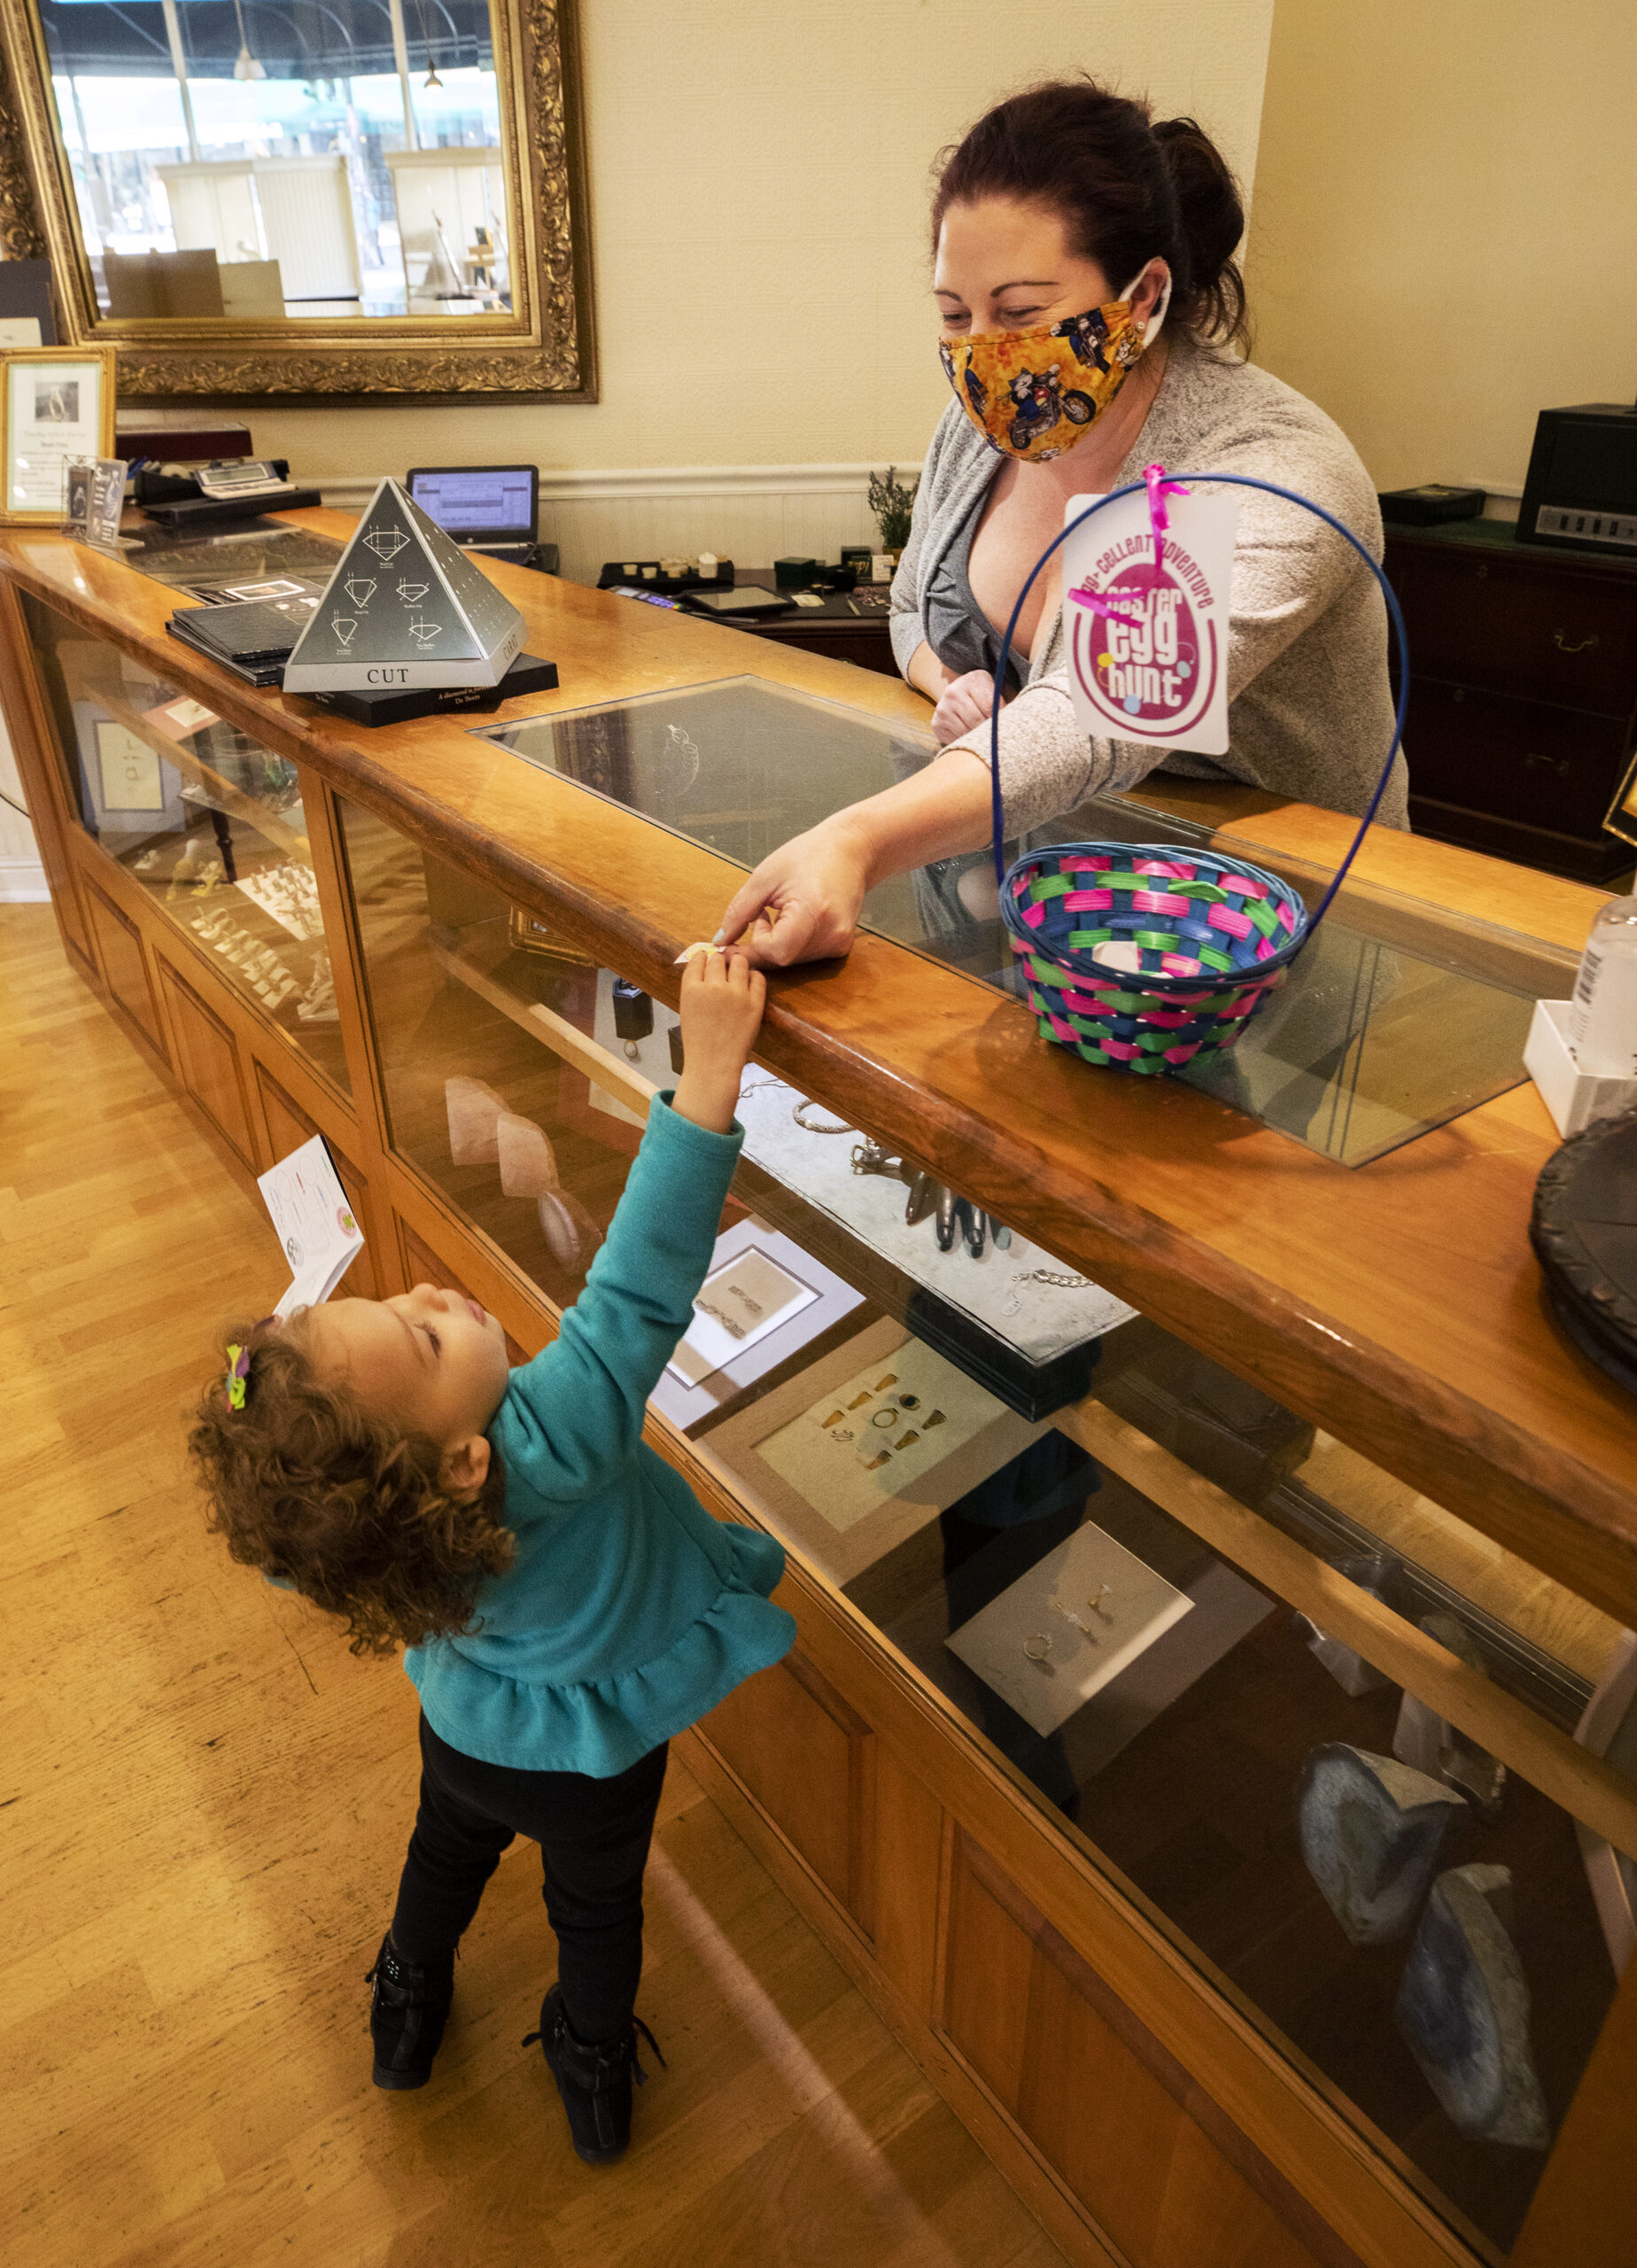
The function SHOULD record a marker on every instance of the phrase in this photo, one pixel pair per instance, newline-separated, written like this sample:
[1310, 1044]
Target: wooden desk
[1397, 1307]
[836, 630]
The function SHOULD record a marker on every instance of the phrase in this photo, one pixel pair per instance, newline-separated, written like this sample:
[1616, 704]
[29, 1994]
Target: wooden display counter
[311, 926]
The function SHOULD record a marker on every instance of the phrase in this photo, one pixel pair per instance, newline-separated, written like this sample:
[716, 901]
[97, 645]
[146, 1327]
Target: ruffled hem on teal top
[606, 1724]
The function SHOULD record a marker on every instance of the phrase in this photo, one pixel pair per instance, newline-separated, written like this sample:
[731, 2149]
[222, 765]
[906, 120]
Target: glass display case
[1397, 1017]
[1235, 1835]
[1070, 1522]
[204, 819]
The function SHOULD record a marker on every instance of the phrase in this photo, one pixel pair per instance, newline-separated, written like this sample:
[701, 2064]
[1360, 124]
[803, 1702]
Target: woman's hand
[802, 901]
[966, 703]
[723, 999]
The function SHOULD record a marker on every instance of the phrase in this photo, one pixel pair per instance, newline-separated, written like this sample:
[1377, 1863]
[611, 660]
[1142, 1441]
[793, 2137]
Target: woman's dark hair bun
[1212, 217]
[1128, 190]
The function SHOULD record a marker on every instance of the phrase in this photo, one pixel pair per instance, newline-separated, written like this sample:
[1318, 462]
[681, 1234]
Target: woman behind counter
[1083, 250]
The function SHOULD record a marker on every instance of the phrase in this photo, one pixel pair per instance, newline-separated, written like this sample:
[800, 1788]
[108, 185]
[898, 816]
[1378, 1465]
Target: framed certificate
[55, 404]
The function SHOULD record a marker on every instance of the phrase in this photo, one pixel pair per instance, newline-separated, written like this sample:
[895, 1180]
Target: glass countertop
[1397, 1018]
[219, 561]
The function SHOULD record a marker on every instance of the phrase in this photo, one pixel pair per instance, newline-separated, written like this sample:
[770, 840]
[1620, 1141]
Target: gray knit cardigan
[1310, 713]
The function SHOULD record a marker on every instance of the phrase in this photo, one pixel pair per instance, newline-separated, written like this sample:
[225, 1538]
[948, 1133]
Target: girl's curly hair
[308, 1486]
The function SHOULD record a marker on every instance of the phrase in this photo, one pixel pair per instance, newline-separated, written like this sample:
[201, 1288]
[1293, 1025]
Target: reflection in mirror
[250, 160]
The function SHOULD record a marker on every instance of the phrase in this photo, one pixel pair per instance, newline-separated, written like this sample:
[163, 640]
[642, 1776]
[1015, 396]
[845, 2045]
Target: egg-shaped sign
[1148, 643]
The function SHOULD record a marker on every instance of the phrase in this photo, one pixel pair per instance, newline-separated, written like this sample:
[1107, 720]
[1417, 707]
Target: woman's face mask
[1033, 393]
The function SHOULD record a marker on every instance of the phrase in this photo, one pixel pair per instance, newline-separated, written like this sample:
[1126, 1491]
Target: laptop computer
[493, 509]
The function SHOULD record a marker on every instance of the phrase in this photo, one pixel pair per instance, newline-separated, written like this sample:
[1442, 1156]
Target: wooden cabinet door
[1157, 2165]
[1528, 625]
[807, 1758]
[124, 965]
[1544, 768]
[207, 1059]
[288, 1128]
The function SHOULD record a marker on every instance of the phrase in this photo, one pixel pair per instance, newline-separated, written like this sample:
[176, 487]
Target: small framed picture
[56, 405]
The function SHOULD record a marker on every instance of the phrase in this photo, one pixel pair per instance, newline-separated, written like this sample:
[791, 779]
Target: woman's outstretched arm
[802, 901]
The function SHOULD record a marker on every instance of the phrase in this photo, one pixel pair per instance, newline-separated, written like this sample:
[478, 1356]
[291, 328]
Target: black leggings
[593, 1837]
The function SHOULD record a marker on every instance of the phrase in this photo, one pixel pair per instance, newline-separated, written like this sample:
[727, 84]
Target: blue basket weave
[1202, 940]
[1190, 943]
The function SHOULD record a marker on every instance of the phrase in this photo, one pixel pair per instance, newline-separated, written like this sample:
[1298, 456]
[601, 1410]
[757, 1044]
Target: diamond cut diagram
[449, 626]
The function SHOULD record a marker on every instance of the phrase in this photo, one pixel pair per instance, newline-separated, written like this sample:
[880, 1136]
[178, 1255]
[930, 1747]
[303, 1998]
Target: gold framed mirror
[305, 200]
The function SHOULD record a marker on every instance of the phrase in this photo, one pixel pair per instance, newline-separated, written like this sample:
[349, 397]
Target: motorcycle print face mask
[1033, 393]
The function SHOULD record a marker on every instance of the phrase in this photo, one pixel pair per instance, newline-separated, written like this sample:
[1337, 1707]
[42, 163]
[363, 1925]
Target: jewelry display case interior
[210, 823]
[1320, 1753]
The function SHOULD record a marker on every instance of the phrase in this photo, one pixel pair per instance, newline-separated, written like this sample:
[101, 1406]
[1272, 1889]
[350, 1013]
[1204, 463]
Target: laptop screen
[492, 501]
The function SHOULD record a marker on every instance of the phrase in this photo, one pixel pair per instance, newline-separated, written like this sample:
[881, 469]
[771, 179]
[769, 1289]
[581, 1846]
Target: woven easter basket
[1191, 943]
[1201, 940]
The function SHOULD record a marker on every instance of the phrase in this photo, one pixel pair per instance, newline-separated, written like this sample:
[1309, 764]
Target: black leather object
[1584, 1230]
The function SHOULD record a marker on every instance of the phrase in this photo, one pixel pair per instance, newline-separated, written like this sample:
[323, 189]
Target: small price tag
[1153, 666]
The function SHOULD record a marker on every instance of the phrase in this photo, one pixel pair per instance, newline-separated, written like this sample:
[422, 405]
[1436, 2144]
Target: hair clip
[238, 1371]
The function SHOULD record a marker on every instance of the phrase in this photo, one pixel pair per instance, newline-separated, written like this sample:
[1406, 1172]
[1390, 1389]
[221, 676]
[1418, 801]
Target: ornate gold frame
[543, 351]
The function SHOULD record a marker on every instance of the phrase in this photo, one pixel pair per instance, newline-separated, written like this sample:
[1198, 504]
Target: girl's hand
[723, 999]
[966, 703]
[802, 901]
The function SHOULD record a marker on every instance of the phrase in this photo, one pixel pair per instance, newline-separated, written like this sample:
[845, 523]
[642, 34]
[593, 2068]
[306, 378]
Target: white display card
[799, 1297]
[879, 1434]
[1073, 1622]
[290, 894]
[735, 1307]
[131, 778]
[315, 1224]
[1154, 671]
[180, 718]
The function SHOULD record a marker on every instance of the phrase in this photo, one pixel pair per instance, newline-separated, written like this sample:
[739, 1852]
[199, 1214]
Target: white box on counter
[1575, 1097]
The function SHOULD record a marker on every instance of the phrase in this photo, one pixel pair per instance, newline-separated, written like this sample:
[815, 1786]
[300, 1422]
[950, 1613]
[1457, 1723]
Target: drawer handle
[1584, 645]
[1557, 764]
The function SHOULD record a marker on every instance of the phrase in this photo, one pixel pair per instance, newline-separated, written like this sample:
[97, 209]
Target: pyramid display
[405, 607]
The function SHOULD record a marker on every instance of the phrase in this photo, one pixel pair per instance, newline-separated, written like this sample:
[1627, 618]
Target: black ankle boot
[407, 2011]
[593, 2082]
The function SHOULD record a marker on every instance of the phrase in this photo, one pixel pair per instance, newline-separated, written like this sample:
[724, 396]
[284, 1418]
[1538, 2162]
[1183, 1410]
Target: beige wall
[758, 191]
[1445, 237]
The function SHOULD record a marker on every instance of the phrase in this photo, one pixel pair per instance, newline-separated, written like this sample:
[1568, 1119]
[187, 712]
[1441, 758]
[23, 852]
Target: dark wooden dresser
[1523, 694]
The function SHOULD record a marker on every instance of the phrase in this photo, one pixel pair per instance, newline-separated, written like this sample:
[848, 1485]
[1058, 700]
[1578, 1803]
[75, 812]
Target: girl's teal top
[628, 1611]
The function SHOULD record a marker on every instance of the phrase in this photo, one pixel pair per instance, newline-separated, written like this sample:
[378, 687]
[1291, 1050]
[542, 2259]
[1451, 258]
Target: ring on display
[1038, 1647]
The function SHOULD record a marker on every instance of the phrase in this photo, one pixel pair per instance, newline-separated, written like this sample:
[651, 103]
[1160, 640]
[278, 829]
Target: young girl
[566, 1602]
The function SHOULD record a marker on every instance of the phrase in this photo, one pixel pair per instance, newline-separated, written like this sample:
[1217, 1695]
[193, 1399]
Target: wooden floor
[203, 1805]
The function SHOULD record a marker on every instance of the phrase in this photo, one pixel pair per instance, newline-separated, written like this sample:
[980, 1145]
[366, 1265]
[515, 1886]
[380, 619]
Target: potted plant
[892, 504]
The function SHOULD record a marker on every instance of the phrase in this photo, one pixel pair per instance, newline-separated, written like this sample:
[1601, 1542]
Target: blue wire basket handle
[1224, 480]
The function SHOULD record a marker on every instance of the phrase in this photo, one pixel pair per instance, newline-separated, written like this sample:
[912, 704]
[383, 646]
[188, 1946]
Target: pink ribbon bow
[1158, 520]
